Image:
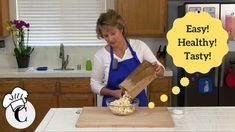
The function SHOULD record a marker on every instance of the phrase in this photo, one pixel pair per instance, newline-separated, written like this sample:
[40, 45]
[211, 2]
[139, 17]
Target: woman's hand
[109, 92]
[117, 93]
[159, 70]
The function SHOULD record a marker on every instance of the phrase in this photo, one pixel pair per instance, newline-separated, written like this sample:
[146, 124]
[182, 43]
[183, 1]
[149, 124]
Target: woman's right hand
[109, 92]
[117, 93]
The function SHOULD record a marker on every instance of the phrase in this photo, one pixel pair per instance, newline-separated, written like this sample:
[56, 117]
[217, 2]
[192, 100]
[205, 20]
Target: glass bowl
[122, 110]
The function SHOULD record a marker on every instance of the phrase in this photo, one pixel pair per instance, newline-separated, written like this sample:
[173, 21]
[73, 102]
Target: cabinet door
[4, 125]
[76, 92]
[158, 87]
[4, 17]
[6, 86]
[42, 95]
[155, 97]
[144, 17]
[41, 102]
[160, 84]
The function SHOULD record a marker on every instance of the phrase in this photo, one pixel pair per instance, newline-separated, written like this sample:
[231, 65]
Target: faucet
[65, 62]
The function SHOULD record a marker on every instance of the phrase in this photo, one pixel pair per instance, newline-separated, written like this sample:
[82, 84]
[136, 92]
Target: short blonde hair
[110, 18]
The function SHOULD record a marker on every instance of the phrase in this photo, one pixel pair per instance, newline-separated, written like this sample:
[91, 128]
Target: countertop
[200, 119]
[50, 73]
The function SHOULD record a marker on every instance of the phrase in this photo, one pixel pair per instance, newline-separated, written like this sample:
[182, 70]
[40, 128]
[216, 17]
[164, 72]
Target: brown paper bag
[138, 79]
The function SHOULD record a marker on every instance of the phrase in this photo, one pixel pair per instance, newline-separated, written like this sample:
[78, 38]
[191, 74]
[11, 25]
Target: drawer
[76, 100]
[42, 85]
[7, 85]
[76, 85]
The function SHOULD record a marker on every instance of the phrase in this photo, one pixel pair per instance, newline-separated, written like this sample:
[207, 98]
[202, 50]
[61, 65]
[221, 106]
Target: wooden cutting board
[142, 117]
[138, 79]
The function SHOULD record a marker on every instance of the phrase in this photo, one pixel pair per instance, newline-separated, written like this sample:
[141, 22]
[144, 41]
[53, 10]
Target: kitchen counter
[50, 73]
[200, 119]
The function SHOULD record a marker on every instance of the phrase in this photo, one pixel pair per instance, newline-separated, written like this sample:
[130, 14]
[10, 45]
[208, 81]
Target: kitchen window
[71, 22]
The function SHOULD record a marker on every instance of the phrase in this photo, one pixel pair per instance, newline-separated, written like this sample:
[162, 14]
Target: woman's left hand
[159, 70]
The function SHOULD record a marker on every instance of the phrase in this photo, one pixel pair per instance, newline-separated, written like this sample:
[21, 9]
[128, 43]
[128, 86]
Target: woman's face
[112, 35]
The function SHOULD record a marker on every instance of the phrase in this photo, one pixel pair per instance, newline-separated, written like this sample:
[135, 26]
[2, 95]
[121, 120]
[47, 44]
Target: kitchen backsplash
[49, 56]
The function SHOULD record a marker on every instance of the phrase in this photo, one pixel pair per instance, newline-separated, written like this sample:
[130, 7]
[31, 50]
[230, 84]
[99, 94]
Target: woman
[113, 63]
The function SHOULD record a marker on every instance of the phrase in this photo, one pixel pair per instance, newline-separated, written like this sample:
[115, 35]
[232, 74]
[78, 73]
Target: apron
[116, 76]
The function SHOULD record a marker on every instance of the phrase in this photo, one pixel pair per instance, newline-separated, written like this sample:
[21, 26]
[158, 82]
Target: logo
[20, 113]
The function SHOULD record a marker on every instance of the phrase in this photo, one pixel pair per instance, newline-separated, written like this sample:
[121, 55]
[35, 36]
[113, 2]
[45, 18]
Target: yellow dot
[151, 105]
[184, 81]
[164, 98]
[175, 90]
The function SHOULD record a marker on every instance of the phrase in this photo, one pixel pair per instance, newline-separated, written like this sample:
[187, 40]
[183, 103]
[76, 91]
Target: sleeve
[97, 75]
[149, 56]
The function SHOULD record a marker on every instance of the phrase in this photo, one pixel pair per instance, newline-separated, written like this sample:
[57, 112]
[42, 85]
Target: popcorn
[122, 106]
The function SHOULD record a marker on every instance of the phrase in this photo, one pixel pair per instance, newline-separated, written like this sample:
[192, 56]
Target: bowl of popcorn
[122, 106]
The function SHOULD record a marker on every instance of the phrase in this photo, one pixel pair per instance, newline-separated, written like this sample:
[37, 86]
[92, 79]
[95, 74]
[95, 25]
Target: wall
[49, 56]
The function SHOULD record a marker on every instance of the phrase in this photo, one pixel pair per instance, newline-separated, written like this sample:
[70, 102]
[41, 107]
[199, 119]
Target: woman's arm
[97, 78]
[97, 74]
[108, 92]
